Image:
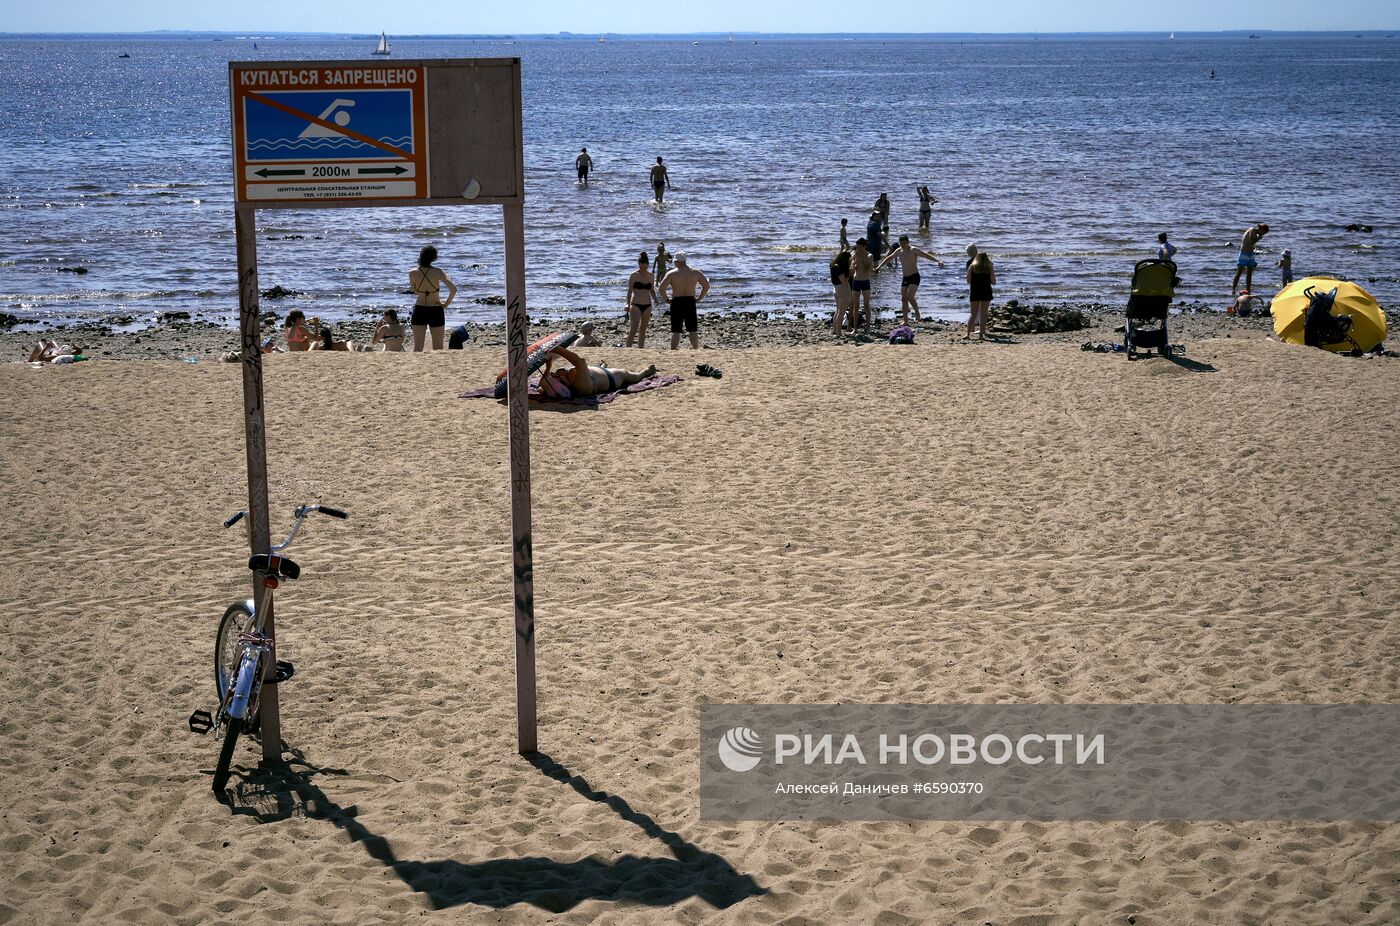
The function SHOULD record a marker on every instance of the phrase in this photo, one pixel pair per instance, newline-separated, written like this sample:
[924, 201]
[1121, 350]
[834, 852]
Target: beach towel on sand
[654, 382]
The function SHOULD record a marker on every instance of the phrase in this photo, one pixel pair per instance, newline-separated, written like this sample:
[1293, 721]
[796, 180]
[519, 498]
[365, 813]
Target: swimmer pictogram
[327, 138]
[339, 110]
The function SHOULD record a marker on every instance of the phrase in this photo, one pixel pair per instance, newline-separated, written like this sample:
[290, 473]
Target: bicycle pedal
[201, 722]
[285, 670]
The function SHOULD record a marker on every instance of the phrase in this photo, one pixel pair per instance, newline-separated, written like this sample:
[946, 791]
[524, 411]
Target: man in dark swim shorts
[660, 180]
[861, 268]
[909, 286]
[683, 287]
[584, 163]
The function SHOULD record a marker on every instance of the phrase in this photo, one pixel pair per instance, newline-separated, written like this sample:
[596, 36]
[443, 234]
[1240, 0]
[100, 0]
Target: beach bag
[902, 335]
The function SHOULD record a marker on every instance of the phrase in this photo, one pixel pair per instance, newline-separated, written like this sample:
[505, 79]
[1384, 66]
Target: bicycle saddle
[266, 562]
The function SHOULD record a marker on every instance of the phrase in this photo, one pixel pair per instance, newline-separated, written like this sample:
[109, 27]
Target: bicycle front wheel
[238, 618]
[226, 755]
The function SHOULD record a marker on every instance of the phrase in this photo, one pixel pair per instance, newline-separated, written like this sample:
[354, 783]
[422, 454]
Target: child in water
[1285, 265]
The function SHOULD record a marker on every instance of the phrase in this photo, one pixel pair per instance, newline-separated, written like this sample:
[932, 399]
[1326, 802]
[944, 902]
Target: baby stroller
[1154, 285]
[1320, 326]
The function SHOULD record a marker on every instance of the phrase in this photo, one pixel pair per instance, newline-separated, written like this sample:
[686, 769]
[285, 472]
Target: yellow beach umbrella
[1290, 308]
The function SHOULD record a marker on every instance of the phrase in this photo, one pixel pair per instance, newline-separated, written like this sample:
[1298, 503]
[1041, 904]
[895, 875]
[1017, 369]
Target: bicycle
[242, 650]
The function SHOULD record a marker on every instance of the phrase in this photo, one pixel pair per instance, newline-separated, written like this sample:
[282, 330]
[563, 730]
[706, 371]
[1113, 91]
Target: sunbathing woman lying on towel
[582, 379]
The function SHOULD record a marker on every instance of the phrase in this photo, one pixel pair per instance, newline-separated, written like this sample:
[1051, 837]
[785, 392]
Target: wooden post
[518, 413]
[255, 430]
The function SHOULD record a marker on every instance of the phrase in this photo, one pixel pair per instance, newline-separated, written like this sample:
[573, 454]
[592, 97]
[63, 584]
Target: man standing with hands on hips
[683, 287]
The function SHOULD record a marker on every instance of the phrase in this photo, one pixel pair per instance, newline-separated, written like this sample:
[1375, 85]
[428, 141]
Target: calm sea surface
[1062, 157]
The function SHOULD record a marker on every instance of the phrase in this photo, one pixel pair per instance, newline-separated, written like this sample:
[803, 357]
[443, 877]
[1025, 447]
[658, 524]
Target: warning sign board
[329, 132]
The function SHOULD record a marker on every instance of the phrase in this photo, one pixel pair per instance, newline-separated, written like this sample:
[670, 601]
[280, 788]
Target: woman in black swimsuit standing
[980, 277]
[641, 295]
[424, 280]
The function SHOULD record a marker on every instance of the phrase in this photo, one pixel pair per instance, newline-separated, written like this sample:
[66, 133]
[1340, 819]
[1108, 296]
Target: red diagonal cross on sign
[316, 120]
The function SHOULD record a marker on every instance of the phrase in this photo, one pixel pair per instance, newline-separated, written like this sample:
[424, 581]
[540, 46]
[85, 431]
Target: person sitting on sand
[327, 341]
[45, 351]
[389, 334]
[1247, 304]
[294, 331]
[909, 288]
[583, 379]
[586, 338]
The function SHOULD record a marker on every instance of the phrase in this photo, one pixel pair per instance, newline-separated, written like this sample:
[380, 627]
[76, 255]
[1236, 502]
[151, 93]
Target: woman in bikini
[428, 314]
[326, 340]
[294, 331]
[841, 287]
[389, 334]
[926, 202]
[641, 296]
[583, 379]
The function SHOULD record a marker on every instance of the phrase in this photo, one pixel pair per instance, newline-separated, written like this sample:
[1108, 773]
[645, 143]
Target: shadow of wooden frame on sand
[1195, 366]
[271, 793]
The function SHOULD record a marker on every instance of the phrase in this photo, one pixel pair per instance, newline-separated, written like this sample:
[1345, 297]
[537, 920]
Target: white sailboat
[383, 47]
[1172, 36]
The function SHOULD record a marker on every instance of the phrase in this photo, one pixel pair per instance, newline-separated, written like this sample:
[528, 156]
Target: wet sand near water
[206, 341]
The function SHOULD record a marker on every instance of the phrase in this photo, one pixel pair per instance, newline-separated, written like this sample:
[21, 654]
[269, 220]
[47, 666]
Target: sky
[411, 17]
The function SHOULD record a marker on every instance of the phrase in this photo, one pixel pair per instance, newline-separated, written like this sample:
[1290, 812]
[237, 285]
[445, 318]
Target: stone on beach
[1014, 318]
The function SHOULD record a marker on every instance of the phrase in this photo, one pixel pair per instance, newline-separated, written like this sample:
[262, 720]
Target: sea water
[1062, 157]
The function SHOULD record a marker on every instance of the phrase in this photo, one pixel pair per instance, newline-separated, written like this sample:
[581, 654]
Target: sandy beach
[1002, 522]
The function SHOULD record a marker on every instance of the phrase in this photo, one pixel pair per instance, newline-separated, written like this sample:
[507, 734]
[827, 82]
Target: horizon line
[719, 32]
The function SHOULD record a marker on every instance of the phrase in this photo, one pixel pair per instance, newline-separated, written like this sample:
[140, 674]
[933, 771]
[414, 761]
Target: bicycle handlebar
[301, 512]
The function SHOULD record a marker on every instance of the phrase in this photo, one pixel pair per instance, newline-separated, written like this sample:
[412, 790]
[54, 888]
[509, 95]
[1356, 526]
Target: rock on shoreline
[1015, 318]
